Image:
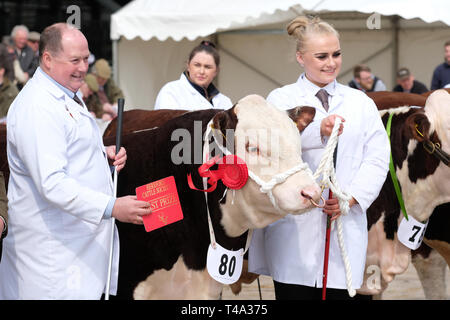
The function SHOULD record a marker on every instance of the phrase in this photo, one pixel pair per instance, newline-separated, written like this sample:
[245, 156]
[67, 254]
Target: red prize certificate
[163, 197]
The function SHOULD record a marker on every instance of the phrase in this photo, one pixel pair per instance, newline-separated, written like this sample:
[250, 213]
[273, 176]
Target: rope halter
[265, 187]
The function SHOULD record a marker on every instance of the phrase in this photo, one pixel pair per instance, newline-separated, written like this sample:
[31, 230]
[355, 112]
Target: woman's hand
[327, 125]
[332, 208]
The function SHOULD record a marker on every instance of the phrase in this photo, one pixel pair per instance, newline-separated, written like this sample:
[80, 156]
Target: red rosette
[234, 172]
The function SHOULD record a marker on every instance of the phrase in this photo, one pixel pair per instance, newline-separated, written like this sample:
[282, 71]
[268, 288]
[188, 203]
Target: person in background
[60, 190]
[27, 60]
[104, 101]
[195, 90]
[407, 83]
[291, 250]
[364, 80]
[6, 55]
[33, 42]
[88, 88]
[441, 74]
[8, 90]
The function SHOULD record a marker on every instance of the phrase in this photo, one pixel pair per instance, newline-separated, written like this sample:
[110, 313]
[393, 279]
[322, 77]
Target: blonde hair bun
[302, 27]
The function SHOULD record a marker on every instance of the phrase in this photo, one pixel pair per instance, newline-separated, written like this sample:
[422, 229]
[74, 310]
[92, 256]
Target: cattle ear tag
[224, 266]
[410, 232]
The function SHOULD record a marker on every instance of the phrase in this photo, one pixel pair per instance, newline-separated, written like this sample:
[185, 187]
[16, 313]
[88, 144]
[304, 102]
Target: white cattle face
[269, 142]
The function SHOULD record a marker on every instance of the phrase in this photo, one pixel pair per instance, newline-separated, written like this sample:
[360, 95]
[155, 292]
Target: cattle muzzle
[308, 196]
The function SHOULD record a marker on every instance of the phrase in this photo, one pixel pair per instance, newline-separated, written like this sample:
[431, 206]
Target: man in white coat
[60, 190]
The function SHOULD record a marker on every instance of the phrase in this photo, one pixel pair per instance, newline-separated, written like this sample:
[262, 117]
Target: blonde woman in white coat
[291, 250]
[195, 90]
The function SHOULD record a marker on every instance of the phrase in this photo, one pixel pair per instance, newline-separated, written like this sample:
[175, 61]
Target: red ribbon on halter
[232, 170]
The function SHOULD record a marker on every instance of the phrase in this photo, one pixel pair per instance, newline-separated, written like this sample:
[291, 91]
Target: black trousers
[287, 291]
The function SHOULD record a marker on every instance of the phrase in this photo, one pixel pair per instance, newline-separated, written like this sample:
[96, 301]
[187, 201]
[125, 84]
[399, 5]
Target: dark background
[95, 18]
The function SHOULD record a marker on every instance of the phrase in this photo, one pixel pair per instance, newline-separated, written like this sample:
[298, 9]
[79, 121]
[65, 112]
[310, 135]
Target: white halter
[265, 187]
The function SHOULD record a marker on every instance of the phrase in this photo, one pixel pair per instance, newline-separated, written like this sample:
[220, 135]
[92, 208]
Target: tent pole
[395, 51]
[115, 62]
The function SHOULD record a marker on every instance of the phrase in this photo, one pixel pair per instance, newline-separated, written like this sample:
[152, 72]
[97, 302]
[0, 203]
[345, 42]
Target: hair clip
[207, 43]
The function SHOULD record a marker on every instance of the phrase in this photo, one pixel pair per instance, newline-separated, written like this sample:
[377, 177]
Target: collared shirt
[69, 92]
[311, 87]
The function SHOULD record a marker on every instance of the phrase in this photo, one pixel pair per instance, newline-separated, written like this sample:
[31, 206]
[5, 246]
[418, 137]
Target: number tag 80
[224, 266]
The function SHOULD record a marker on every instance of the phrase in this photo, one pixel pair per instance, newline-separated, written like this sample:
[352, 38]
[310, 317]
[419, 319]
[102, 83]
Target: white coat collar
[307, 88]
[186, 82]
[60, 93]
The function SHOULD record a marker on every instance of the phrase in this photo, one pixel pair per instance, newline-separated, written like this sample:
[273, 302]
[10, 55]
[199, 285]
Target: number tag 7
[224, 266]
[411, 232]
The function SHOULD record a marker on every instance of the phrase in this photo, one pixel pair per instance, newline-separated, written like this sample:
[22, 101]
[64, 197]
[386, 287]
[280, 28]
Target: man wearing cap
[104, 101]
[33, 42]
[88, 88]
[407, 83]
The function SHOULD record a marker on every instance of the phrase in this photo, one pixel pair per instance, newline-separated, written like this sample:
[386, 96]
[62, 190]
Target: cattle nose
[312, 193]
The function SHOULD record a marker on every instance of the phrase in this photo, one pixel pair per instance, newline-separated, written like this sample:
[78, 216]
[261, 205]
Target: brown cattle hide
[137, 119]
[386, 99]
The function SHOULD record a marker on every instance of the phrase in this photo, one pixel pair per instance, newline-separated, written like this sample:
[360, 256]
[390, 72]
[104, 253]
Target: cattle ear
[302, 116]
[417, 126]
[225, 120]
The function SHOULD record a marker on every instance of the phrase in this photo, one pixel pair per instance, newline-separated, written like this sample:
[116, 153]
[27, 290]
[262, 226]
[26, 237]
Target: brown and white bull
[420, 140]
[169, 263]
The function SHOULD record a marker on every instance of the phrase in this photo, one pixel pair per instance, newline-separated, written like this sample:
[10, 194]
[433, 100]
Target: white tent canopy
[152, 39]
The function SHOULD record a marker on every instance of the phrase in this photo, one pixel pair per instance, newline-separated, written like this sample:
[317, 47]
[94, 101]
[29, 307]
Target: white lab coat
[291, 250]
[180, 94]
[60, 184]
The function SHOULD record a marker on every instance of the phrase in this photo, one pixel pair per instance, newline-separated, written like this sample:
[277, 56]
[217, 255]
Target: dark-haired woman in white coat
[291, 250]
[195, 90]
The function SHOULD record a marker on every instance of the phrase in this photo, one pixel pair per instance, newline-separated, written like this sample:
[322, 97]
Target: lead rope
[326, 169]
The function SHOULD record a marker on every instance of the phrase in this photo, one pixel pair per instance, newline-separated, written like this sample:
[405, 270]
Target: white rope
[326, 169]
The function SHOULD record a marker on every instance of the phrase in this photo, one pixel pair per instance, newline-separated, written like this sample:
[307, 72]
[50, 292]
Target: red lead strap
[327, 239]
[327, 252]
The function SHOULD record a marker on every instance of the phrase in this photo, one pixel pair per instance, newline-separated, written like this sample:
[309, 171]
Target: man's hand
[117, 160]
[2, 226]
[129, 209]
[327, 125]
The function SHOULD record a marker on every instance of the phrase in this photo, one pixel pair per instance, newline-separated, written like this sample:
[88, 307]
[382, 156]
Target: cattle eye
[252, 149]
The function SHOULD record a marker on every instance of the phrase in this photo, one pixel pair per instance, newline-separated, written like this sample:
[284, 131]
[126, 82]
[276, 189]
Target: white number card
[411, 232]
[223, 265]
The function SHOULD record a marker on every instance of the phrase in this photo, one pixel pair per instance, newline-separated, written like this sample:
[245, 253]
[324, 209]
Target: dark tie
[77, 100]
[322, 95]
